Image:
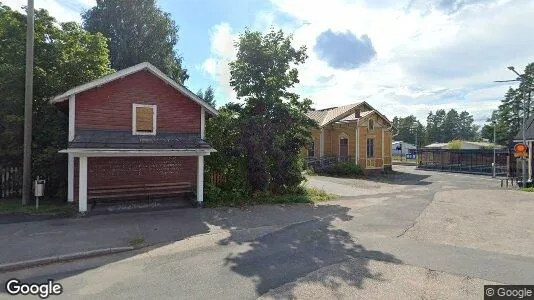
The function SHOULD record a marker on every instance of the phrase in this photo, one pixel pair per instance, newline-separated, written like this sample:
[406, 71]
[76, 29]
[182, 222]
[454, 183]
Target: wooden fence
[10, 182]
[217, 179]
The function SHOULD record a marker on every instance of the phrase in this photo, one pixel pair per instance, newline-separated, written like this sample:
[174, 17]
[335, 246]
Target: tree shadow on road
[401, 178]
[294, 251]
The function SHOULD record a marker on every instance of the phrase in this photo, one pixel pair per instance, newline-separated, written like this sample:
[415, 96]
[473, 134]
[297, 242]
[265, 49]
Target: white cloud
[427, 58]
[222, 53]
[63, 11]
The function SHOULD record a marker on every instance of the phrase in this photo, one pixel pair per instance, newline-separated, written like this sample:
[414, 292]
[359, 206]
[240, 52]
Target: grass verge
[136, 242]
[13, 206]
[529, 189]
[304, 195]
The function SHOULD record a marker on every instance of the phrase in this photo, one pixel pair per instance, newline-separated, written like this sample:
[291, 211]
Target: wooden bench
[136, 191]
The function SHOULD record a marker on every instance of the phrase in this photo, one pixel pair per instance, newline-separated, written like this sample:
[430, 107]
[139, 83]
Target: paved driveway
[382, 239]
[453, 209]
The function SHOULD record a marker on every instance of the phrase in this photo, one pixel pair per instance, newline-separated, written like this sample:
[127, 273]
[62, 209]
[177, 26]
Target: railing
[10, 182]
[319, 163]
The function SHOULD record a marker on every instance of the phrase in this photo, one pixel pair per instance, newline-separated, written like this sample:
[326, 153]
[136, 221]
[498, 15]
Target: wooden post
[28, 107]
[530, 160]
[321, 142]
[82, 186]
[200, 180]
[70, 178]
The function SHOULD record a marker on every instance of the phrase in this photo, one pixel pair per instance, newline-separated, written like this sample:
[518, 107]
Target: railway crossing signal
[520, 150]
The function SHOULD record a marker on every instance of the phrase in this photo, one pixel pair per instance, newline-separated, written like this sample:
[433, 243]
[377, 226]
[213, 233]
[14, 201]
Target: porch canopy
[150, 151]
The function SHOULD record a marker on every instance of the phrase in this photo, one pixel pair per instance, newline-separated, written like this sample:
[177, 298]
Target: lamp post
[494, 144]
[523, 160]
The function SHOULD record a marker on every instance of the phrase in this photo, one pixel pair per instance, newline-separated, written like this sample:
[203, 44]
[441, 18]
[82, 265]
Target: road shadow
[50, 238]
[304, 240]
[400, 178]
[296, 250]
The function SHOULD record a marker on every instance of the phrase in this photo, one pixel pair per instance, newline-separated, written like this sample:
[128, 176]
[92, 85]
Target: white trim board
[134, 119]
[78, 152]
[129, 71]
[72, 117]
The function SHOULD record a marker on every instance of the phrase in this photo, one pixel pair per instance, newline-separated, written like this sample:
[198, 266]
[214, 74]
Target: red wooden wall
[116, 171]
[110, 106]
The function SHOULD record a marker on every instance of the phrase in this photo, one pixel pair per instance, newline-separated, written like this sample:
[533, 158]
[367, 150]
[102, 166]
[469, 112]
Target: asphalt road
[352, 246]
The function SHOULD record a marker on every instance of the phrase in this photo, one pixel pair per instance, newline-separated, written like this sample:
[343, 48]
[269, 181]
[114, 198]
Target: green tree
[208, 95]
[450, 129]
[64, 56]
[434, 126]
[509, 114]
[137, 31]
[407, 129]
[500, 130]
[272, 122]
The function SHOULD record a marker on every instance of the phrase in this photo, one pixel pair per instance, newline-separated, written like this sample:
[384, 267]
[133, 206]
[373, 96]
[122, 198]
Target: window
[144, 119]
[370, 147]
[343, 147]
[371, 124]
[311, 149]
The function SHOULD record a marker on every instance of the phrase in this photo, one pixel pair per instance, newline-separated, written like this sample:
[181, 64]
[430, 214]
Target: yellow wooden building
[355, 133]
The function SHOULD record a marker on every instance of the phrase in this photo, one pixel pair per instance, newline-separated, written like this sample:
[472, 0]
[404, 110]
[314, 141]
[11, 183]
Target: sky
[401, 56]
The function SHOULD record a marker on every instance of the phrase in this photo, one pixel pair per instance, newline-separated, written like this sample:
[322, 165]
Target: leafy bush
[342, 170]
[216, 196]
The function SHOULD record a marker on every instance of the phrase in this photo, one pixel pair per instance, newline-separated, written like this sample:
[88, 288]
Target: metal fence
[10, 182]
[476, 161]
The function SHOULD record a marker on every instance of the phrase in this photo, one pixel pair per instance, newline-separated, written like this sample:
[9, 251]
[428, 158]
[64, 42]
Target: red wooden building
[132, 132]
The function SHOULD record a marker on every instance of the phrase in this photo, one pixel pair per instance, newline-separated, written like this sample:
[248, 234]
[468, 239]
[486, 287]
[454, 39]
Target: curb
[61, 258]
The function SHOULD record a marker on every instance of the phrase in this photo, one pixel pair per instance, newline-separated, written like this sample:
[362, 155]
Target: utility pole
[525, 112]
[526, 102]
[28, 102]
[494, 144]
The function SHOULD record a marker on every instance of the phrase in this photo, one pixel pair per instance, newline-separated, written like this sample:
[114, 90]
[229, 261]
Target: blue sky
[194, 45]
[402, 56]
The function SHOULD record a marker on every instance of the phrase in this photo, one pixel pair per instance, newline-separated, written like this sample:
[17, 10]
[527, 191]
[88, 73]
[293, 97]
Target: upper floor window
[371, 124]
[144, 119]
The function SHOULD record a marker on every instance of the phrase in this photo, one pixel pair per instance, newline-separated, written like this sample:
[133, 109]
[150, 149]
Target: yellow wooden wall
[332, 134]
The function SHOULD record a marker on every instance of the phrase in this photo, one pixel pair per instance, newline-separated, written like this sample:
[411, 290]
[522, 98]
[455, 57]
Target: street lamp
[523, 160]
[494, 145]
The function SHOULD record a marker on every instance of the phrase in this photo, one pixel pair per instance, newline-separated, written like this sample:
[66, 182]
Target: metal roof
[114, 139]
[345, 113]
[529, 131]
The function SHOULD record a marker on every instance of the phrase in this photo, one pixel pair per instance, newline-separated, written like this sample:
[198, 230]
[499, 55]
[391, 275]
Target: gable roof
[529, 131]
[327, 116]
[131, 70]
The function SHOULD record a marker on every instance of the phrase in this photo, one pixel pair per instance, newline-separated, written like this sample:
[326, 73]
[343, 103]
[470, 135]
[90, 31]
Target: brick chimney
[357, 113]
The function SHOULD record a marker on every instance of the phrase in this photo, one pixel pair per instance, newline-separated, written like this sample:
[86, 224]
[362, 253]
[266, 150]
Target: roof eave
[131, 70]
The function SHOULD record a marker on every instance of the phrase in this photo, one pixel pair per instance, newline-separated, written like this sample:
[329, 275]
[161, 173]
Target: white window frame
[134, 119]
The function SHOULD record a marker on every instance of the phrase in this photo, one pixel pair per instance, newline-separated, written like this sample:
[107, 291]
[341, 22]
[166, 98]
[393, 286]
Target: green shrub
[217, 196]
[342, 170]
